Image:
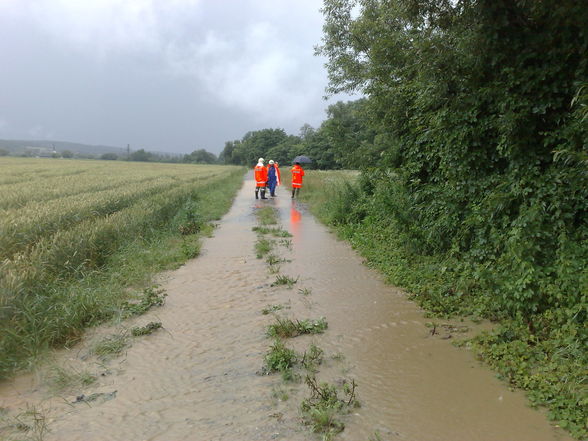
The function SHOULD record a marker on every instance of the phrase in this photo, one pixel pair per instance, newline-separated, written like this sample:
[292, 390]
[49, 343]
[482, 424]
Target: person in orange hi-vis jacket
[297, 174]
[260, 173]
[278, 172]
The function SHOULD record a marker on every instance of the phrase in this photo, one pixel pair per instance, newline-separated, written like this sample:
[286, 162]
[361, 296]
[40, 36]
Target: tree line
[338, 143]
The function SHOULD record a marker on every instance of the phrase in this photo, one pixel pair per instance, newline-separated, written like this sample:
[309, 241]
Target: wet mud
[199, 378]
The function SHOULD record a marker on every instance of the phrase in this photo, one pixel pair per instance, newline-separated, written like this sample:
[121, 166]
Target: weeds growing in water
[262, 247]
[323, 409]
[111, 346]
[305, 291]
[276, 232]
[312, 359]
[61, 379]
[279, 358]
[148, 329]
[151, 297]
[375, 437]
[280, 394]
[286, 243]
[267, 216]
[31, 425]
[274, 269]
[284, 327]
[284, 280]
[272, 259]
[339, 356]
[272, 308]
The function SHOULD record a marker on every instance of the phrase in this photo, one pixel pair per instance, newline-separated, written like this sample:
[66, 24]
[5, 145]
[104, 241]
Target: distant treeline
[342, 141]
[200, 156]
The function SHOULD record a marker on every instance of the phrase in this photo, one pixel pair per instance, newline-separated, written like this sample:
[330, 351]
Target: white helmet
[271, 161]
[260, 160]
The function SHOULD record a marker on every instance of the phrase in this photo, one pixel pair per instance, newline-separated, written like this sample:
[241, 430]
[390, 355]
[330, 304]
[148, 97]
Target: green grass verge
[546, 357]
[56, 312]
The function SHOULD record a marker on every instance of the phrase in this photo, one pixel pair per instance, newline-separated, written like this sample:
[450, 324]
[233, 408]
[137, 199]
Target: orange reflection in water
[295, 218]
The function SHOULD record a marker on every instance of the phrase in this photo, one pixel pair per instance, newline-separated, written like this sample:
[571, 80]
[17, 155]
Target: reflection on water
[295, 217]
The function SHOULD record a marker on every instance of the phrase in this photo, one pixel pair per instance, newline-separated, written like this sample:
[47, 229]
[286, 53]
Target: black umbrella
[302, 160]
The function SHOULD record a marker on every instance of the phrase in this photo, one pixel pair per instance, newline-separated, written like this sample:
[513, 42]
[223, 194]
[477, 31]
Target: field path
[198, 379]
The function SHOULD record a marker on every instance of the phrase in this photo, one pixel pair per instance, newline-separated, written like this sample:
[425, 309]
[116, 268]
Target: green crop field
[64, 226]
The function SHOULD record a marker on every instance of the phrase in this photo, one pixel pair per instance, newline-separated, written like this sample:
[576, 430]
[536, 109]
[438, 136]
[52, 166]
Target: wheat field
[63, 220]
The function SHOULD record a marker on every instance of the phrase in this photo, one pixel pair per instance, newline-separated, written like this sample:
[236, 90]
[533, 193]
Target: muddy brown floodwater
[198, 379]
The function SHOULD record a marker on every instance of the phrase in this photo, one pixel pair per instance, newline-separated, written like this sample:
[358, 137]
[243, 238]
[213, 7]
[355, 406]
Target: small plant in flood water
[286, 243]
[305, 291]
[262, 247]
[272, 259]
[284, 327]
[148, 329]
[280, 394]
[151, 297]
[61, 378]
[323, 409]
[279, 358]
[282, 279]
[312, 358]
[274, 269]
[111, 346]
[271, 308]
[276, 232]
[339, 356]
[375, 437]
[32, 421]
[267, 216]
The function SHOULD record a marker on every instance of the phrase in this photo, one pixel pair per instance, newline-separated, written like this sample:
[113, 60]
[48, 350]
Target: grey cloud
[169, 75]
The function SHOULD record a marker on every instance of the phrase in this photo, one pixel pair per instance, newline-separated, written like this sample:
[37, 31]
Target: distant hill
[19, 146]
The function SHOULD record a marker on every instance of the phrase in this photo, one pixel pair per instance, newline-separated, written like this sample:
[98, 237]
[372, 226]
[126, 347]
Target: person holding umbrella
[297, 175]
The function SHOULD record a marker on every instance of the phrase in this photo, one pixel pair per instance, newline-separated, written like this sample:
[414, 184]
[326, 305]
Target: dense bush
[481, 178]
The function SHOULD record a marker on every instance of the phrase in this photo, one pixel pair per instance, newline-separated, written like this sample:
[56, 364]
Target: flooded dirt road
[199, 378]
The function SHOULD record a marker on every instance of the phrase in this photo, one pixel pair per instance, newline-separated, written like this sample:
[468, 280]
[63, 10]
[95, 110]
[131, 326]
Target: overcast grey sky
[166, 75]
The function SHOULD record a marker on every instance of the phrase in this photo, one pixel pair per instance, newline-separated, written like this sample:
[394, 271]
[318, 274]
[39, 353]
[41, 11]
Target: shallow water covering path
[198, 379]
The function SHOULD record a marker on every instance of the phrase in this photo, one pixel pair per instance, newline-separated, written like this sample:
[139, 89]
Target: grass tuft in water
[273, 231]
[61, 378]
[267, 216]
[280, 394]
[312, 359]
[152, 296]
[323, 410]
[305, 291]
[272, 308]
[274, 269]
[111, 346]
[148, 329]
[279, 358]
[287, 243]
[29, 425]
[262, 247]
[272, 259]
[285, 327]
[282, 279]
